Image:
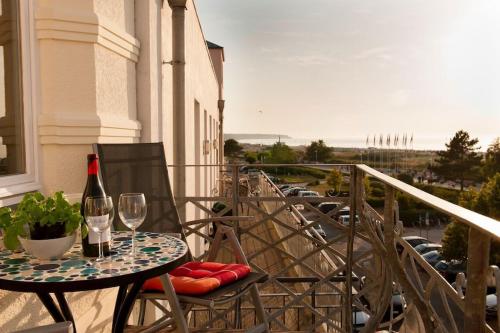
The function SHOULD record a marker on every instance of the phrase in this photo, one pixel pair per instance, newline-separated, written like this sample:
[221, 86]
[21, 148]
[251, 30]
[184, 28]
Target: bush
[406, 178]
[377, 192]
[319, 174]
[375, 202]
[314, 183]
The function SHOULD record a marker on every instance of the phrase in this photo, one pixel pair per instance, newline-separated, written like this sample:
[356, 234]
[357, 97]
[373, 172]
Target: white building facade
[78, 72]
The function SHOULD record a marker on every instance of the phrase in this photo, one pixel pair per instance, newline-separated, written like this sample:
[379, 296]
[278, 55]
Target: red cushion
[198, 278]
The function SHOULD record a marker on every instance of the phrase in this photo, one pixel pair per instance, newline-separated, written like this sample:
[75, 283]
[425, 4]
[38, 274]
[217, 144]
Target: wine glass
[98, 215]
[132, 210]
[111, 207]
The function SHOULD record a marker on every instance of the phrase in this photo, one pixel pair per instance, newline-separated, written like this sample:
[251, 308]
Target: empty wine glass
[132, 210]
[111, 207]
[98, 215]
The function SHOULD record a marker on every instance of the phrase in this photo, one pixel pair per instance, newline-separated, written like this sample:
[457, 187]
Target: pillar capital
[177, 3]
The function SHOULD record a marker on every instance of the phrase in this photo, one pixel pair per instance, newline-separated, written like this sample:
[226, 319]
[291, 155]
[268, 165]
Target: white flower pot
[48, 248]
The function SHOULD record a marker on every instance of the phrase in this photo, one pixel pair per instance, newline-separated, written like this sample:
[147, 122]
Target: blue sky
[351, 68]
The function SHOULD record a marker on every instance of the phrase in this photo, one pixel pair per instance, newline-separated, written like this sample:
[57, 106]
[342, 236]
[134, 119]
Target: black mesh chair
[142, 168]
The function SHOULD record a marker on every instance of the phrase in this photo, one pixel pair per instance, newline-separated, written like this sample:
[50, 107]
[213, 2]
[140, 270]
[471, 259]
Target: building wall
[93, 83]
[201, 86]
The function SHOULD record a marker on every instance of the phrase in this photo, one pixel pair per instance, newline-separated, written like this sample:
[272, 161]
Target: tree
[460, 158]
[486, 202]
[335, 179]
[250, 157]
[263, 156]
[318, 151]
[492, 159]
[282, 154]
[406, 178]
[232, 148]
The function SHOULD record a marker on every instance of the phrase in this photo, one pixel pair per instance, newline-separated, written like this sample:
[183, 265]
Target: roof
[211, 45]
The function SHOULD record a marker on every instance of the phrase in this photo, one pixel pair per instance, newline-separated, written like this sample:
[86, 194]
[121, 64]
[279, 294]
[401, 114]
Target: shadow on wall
[92, 310]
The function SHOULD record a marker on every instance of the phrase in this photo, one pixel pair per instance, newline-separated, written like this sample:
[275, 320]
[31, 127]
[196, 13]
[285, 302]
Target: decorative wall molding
[70, 128]
[61, 24]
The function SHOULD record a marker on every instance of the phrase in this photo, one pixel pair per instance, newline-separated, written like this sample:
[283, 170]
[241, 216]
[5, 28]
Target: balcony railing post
[235, 209]
[478, 256]
[236, 197]
[350, 248]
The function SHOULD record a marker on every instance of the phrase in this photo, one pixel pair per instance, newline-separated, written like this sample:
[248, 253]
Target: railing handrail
[260, 165]
[486, 224]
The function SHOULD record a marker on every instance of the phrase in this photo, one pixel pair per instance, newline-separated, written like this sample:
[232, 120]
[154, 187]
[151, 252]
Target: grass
[293, 179]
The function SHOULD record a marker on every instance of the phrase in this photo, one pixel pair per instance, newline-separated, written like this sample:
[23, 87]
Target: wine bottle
[94, 188]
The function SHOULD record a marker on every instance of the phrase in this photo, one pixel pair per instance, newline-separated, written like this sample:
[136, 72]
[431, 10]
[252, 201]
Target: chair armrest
[219, 219]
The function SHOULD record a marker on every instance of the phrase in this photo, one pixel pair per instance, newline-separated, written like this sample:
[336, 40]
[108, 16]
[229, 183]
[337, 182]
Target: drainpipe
[179, 99]
[220, 105]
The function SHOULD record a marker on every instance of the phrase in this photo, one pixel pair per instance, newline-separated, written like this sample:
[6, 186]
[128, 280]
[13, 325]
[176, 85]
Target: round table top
[156, 254]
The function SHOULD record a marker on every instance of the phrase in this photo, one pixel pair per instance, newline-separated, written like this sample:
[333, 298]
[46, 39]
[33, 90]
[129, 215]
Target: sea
[418, 143]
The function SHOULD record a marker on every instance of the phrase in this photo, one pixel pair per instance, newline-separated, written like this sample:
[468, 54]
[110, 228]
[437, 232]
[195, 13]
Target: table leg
[122, 292]
[66, 311]
[51, 306]
[126, 307]
[59, 313]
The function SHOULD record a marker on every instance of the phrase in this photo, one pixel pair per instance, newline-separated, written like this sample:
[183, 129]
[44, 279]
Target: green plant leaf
[35, 208]
[10, 238]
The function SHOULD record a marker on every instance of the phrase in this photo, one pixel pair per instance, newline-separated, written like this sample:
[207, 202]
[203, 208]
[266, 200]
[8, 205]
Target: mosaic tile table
[156, 254]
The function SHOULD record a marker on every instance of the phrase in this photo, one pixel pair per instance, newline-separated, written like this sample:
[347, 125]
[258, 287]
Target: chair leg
[259, 307]
[142, 312]
[177, 312]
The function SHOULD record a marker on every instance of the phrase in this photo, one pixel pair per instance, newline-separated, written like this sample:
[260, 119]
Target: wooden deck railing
[283, 243]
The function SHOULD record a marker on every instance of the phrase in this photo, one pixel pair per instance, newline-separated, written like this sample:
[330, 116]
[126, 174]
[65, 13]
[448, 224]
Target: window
[17, 133]
[12, 152]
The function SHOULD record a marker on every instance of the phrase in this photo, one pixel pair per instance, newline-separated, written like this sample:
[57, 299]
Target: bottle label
[94, 236]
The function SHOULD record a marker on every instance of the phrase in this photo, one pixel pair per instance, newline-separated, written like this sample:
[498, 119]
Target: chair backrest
[140, 168]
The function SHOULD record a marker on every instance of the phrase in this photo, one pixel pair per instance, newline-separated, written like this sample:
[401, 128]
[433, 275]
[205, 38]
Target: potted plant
[45, 226]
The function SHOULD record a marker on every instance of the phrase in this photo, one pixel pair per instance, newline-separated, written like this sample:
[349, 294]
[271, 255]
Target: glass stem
[133, 242]
[100, 246]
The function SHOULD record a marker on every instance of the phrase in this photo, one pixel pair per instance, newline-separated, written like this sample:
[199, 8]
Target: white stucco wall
[91, 88]
[85, 52]
[201, 86]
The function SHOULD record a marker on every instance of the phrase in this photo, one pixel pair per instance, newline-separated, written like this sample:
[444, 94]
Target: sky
[346, 69]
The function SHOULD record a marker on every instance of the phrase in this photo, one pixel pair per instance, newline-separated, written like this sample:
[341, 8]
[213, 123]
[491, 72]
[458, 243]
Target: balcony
[354, 280]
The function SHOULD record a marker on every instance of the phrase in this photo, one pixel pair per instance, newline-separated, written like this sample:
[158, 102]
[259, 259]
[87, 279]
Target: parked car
[450, 269]
[343, 212]
[398, 307]
[307, 193]
[320, 230]
[326, 207]
[345, 219]
[284, 187]
[415, 240]
[427, 247]
[359, 319]
[491, 305]
[432, 257]
[292, 192]
[274, 179]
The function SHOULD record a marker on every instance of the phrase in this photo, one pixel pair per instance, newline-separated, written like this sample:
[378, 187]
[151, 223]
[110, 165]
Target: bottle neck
[93, 167]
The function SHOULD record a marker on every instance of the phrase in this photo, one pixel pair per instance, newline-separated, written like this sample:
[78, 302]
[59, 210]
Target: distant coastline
[424, 144]
[247, 136]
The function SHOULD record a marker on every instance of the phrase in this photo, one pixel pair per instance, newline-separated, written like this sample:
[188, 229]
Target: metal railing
[282, 242]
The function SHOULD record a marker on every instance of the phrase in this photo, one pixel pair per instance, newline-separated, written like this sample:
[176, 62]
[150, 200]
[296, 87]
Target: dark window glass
[12, 155]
